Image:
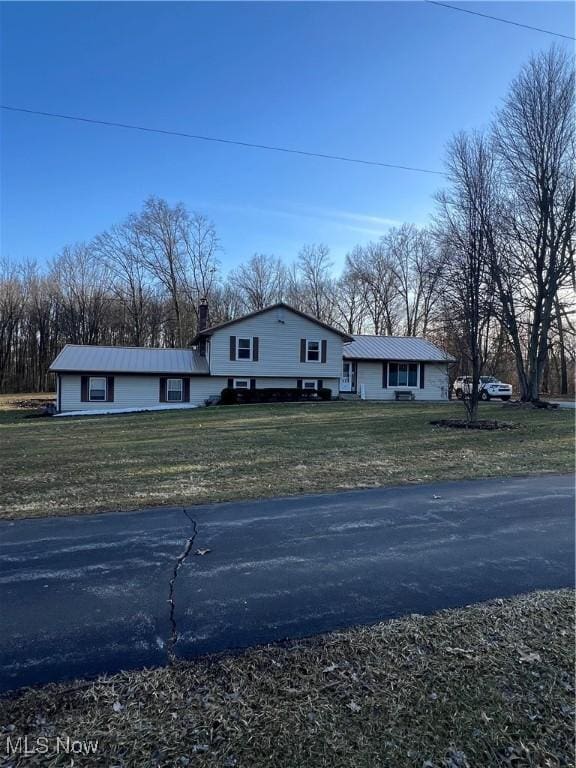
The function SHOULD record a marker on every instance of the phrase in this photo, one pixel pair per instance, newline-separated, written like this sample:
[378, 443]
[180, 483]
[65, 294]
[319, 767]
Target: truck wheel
[458, 394]
[506, 397]
[484, 395]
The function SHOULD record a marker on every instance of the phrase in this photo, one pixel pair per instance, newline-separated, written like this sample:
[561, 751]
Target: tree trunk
[563, 363]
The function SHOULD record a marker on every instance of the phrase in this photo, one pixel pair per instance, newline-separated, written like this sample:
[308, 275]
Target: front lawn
[489, 686]
[86, 464]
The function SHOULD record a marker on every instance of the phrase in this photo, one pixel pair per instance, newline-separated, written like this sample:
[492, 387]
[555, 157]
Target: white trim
[168, 390]
[235, 383]
[310, 381]
[244, 338]
[97, 399]
[313, 341]
[404, 386]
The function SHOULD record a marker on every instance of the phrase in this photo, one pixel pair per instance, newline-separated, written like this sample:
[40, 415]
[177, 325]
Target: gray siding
[279, 348]
[435, 382]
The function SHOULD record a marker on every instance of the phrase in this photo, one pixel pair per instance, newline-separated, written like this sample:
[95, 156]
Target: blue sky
[389, 81]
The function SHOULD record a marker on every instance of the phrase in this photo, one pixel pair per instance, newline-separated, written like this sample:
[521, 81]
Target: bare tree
[122, 252]
[313, 282]
[83, 293]
[350, 302]
[260, 282]
[200, 265]
[160, 232]
[12, 302]
[534, 139]
[417, 267]
[372, 268]
[226, 303]
[464, 210]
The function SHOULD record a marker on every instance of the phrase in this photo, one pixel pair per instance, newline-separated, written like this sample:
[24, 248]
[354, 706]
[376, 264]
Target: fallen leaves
[528, 657]
[459, 689]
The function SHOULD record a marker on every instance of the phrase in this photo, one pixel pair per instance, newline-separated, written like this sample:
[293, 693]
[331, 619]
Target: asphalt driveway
[86, 595]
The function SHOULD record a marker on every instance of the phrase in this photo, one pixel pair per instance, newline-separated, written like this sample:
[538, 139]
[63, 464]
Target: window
[403, 375]
[309, 384]
[312, 351]
[241, 384]
[97, 388]
[244, 349]
[174, 390]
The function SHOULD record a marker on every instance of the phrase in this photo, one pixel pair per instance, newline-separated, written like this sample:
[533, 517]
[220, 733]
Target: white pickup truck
[488, 386]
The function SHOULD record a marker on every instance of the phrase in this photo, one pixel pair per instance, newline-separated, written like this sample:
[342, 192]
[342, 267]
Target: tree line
[491, 279]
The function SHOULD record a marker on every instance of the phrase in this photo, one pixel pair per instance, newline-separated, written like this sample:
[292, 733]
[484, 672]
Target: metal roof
[394, 348]
[86, 358]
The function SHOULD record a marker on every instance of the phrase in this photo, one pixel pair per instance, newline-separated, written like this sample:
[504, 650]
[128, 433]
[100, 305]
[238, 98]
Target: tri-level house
[278, 346]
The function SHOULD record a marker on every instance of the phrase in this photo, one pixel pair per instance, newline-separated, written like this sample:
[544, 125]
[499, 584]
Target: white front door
[346, 378]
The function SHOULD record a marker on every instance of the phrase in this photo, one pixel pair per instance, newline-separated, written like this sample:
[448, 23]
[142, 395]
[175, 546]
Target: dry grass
[87, 464]
[489, 685]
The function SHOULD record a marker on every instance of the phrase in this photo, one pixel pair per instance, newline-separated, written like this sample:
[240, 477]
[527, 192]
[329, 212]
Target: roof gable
[279, 305]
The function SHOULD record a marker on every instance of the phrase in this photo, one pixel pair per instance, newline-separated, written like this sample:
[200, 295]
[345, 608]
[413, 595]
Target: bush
[228, 396]
[231, 396]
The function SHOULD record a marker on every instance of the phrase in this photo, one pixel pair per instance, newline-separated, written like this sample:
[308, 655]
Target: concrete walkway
[86, 595]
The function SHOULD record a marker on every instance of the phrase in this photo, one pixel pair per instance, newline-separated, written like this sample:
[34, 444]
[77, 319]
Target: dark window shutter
[299, 384]
[232, 347]
[320, 383]
[163, 384]
[255, 345]
[230, 383]
[384, 375]
[252, 383]
[324, 350]
[302, 350]
[110, 389]
[84, 388]
[421, 375]
[186, 390]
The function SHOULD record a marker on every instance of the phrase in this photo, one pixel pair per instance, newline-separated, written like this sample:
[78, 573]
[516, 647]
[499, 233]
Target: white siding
[144, 391]
[435, 382]
[135, 392]
[266, 383]
[279, 348]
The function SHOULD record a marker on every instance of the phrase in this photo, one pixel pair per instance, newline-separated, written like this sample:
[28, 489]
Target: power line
[198, 137]
[498, 18]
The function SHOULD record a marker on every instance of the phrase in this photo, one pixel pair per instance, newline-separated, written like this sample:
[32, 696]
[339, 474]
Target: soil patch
[479, 424]
[31, 403]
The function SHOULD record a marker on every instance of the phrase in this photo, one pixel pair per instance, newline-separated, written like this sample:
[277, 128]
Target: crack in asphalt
[180, 560]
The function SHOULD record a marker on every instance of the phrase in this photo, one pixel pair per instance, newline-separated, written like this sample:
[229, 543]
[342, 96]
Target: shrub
[231, 396]
[228, 396]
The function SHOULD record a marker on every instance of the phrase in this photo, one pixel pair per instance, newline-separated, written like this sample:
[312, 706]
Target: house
[274, 347]
[277, 346]
[395, 368]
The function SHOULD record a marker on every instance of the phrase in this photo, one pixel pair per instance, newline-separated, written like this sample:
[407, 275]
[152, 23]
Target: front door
[346, 378]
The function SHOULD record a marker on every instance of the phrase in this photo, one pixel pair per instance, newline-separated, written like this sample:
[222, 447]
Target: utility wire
[498, 18]
[198, 137]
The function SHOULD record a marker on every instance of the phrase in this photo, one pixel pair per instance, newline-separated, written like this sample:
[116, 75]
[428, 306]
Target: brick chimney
[203, 320]
[203, 323]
